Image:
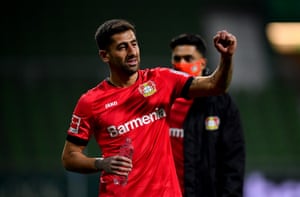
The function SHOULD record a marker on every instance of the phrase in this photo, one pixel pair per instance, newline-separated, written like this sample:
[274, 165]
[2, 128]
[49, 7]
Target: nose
[182, 60]
[131, 49]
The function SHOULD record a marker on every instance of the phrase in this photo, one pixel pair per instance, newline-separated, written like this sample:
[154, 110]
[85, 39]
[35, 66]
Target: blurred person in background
[206, 133]
[133, 103]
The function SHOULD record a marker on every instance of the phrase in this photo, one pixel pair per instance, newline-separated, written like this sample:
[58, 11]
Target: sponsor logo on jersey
[111, 104]
[212, 123]
[177, 132]
[75, 122]
[115, 130]
[147, 89]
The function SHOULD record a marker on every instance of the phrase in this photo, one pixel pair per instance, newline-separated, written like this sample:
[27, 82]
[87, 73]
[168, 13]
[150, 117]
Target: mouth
[132, 62]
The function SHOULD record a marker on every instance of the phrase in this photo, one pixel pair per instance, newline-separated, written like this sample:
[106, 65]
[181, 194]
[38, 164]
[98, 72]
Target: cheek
[118, 57]
[138, 52]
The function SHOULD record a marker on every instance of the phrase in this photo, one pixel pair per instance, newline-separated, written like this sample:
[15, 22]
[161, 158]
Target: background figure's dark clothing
[214, 160]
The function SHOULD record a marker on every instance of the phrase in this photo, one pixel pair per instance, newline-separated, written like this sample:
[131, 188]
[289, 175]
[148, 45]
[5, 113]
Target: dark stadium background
[49, 58]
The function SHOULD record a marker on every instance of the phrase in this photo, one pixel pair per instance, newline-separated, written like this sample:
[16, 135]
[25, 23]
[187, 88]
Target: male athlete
[134, 103]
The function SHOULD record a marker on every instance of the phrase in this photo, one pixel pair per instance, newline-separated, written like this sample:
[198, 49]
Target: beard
[130, 69]
[124, 67]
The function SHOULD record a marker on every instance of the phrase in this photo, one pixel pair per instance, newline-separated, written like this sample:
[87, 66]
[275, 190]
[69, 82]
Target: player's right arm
[80, 131]
[74, 159]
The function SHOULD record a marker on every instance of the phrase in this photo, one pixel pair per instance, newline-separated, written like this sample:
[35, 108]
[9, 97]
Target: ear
[203, 62]
[104, 55]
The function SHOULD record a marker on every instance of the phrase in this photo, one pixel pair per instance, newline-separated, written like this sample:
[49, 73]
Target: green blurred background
[49, 58]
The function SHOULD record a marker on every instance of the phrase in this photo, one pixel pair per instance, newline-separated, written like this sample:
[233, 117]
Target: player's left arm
[218, 82]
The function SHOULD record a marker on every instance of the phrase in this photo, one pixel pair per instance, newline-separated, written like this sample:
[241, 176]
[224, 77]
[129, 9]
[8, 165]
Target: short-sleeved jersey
[112, 113]
[176, 119]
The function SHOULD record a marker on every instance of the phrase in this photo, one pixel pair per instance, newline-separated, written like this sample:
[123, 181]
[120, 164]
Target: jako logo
[114, 131]
[111, 104]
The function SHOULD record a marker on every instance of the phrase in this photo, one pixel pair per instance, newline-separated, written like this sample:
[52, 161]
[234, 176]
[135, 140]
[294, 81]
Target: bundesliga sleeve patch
[75, 123]
[212, 123]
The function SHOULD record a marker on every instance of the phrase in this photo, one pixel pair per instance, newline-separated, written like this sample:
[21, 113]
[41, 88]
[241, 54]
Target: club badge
[212, 123]
[147, 89]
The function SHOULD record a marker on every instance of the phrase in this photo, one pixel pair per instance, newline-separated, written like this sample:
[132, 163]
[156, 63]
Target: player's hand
[225, 43]
[119, 165]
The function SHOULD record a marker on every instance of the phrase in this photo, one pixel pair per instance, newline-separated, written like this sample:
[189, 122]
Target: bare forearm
[218, 82]
[214, 84]
[225, 44]
[222, 76]
[78, 162]
[74, 159]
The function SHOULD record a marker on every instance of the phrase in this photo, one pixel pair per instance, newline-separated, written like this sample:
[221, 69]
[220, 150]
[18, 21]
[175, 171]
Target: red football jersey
[177, 115]
[112, 113]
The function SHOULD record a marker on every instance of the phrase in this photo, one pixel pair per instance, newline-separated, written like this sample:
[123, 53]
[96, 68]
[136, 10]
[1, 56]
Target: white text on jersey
[176, 132]
[136, 123]
[111, 104]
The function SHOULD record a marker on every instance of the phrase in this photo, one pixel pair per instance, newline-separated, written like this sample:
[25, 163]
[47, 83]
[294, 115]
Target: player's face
[187, 58]
[185, 54]
[123, 55]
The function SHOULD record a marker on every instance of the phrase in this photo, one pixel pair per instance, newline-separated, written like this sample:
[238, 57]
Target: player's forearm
[78, 162]
[222, 76]
[225, 44]
[214, 84]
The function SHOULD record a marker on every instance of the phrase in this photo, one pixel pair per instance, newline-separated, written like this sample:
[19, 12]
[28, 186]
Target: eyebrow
[182, 56]
[132, 41]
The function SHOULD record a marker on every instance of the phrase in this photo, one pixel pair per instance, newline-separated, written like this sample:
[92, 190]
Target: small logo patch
[75, 122]
[111, 104]
[147, 89]
[212, 123]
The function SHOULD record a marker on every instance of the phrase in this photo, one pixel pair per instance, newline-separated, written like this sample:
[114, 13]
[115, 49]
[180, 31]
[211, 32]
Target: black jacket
[214, 158]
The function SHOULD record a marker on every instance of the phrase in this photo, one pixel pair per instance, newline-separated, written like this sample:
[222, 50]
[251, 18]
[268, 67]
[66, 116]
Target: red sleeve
[178, 80]
[81, 126]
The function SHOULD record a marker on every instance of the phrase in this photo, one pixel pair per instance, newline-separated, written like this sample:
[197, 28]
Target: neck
[123, 82]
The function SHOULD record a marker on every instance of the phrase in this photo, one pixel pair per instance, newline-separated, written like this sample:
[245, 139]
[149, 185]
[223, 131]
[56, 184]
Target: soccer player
[206, 133]
[134, 103]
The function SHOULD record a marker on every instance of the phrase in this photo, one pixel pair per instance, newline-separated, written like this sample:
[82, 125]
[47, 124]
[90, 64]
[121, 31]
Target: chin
[132, 69]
